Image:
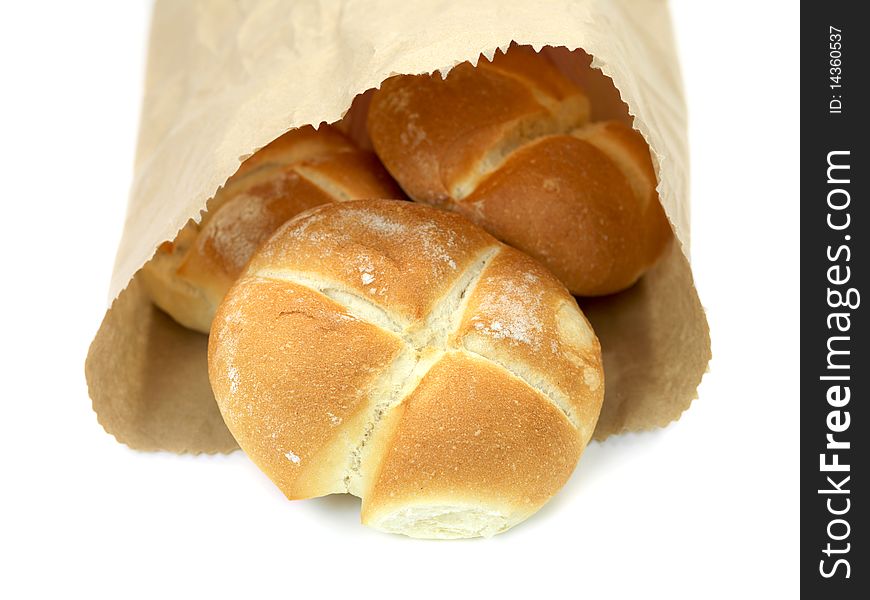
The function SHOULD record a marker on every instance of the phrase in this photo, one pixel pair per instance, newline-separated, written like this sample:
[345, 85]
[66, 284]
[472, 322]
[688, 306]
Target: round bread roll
[399, 353]
[509, 145]
[303, 168]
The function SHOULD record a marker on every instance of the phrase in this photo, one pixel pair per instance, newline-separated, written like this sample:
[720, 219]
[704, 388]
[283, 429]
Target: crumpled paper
[226, 77]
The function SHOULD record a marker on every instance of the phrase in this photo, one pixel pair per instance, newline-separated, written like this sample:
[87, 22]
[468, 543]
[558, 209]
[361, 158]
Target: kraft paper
[226, 77]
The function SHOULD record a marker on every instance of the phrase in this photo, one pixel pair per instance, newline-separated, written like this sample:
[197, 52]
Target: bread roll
[399, 353]
[188, 278]
[509, 145]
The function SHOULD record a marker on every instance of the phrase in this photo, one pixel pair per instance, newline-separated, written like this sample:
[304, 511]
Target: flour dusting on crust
[511, 310]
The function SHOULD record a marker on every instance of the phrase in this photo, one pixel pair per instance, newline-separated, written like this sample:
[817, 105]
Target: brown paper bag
[225, 78]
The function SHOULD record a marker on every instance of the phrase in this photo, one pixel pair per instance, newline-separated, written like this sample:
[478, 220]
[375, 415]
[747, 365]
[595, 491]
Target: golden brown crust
[584, 223]
[283, 411]
[521, 317]
[432, 134]
[364, 334]
[508, 144]
[473, 434]
[229, 237]
[301, 169]
[305, 143]
[366, 246]
[629, 151]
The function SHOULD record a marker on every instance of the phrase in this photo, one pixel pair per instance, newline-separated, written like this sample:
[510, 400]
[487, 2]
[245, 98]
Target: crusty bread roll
[303, 168]
[509, 145]
[400, 353]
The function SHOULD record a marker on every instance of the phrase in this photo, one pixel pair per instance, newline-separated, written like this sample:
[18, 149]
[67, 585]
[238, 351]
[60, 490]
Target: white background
[707, 507]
